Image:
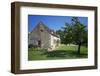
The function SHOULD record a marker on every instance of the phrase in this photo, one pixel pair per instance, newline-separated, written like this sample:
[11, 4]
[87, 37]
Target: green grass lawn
[61, 52]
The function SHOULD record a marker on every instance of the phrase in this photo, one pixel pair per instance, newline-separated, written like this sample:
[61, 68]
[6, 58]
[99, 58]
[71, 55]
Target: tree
[61, 34]
[79, 33]
[67, 33]
[75, 33]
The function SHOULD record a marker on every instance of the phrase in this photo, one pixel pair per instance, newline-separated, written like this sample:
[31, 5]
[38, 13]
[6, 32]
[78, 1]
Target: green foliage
[75, 33]
[61, 33]
[67, 33]
[79, 32]
[32, 46]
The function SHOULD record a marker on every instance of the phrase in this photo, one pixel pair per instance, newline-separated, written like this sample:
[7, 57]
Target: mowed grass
[61, 52]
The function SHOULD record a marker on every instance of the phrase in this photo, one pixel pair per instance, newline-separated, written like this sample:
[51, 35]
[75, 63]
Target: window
[41, 30]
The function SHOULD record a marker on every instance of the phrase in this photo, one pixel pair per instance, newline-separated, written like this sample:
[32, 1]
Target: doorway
[39, 43]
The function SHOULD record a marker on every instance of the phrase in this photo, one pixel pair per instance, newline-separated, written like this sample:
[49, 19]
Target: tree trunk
[79, 46]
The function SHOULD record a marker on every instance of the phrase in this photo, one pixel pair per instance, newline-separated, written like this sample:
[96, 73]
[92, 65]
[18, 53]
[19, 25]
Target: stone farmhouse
[43, 37]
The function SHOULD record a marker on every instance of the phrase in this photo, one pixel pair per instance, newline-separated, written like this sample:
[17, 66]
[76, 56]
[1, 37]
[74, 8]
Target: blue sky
[53, 22]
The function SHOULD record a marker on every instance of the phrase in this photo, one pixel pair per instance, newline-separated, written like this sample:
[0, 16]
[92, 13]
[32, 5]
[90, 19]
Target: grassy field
[61, 52]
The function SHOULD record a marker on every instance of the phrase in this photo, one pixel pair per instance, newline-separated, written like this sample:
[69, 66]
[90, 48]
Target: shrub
[32, 46]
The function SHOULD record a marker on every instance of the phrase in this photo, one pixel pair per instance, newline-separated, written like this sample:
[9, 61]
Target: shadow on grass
[64, 54]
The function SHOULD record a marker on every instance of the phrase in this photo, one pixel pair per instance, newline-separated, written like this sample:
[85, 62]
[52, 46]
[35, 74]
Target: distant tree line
[74, 33]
